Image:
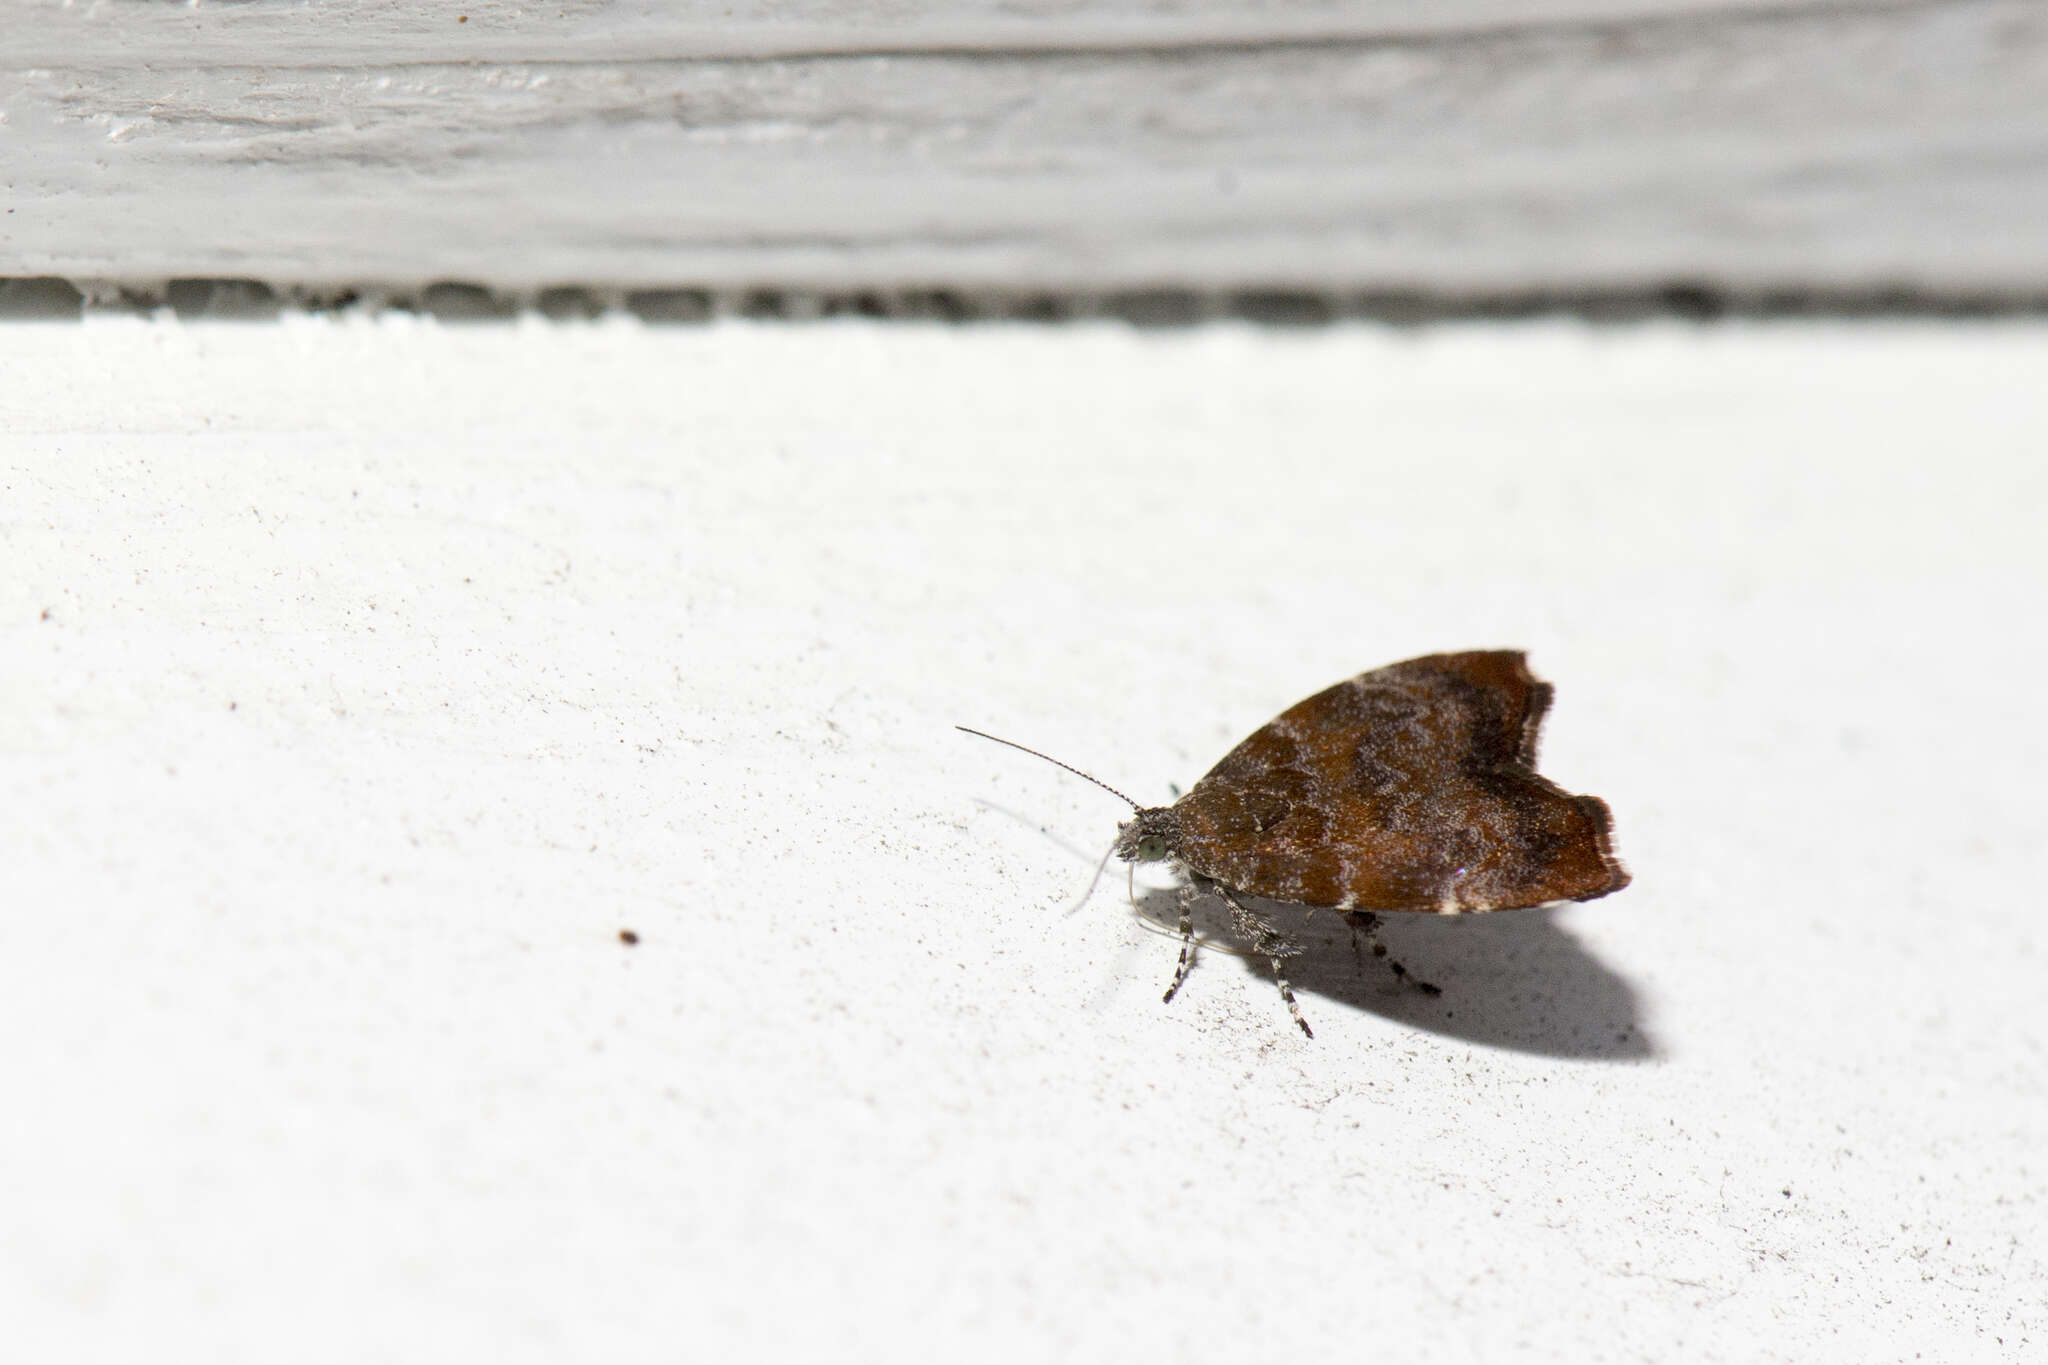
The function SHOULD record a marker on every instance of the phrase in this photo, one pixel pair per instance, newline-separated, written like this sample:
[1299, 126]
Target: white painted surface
[363, 679]
[1468, 147]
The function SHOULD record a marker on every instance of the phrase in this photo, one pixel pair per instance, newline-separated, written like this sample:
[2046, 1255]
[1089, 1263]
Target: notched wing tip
[1602, 820]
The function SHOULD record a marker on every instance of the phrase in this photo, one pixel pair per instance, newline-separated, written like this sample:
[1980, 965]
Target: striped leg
[1365, 928]
[1187, 940]
[1268, 943]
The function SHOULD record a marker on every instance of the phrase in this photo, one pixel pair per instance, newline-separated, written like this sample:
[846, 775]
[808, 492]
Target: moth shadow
[1518, 980]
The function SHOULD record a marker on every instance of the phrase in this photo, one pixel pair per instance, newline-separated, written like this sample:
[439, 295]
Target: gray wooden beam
[1467, 147]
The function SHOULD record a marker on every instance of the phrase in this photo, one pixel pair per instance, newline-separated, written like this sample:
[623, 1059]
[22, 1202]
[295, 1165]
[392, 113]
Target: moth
[1408, 789]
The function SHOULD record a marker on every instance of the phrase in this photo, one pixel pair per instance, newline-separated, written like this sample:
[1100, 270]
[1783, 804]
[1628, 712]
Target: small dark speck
[1787, 1191]
[231, 706]
[46, 613]
[628, 937]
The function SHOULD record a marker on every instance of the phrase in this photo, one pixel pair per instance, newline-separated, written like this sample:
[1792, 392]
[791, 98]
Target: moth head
[1150, 836]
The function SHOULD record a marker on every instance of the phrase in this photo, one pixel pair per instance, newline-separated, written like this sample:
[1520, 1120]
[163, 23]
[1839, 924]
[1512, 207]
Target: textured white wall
[362, 679]
[1475, 146]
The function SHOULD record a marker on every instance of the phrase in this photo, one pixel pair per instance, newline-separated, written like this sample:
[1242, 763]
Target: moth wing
[1411, 787]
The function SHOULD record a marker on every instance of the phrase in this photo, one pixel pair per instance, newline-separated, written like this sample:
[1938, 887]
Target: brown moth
[1411, 788]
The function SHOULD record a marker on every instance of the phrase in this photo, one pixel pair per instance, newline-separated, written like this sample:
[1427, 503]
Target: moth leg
[1362, 924]
[1365, 929]
[1267, 942]
[1187, 940]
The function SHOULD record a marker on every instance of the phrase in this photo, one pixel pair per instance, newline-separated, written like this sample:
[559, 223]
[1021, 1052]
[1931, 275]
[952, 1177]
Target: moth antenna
[1057, 764]
[1093, 881]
